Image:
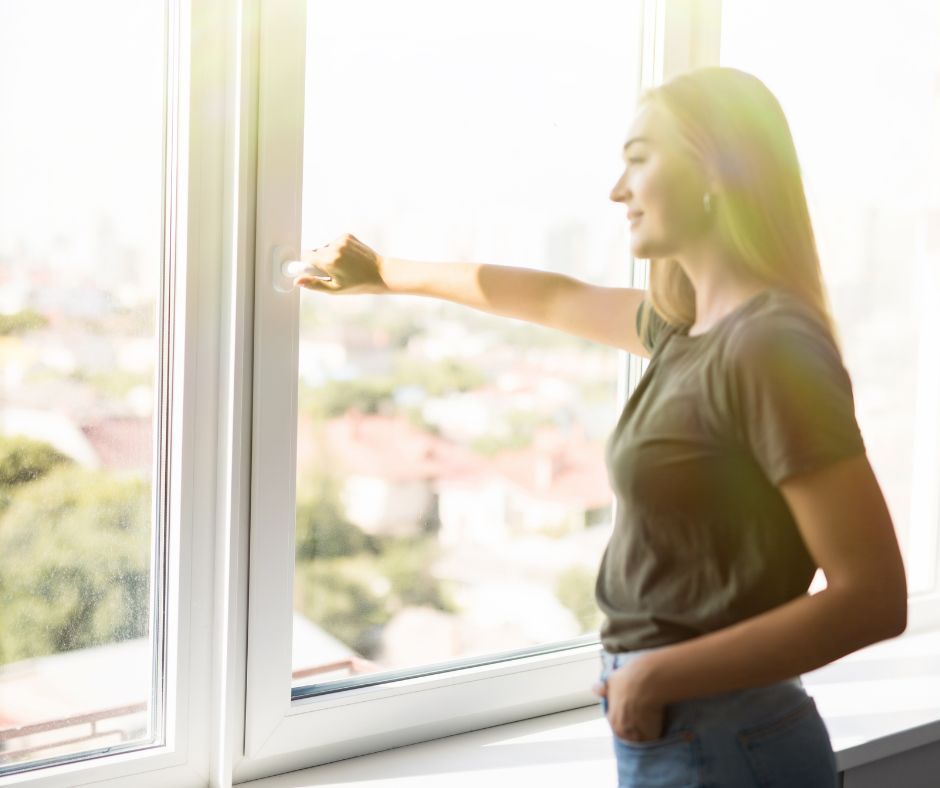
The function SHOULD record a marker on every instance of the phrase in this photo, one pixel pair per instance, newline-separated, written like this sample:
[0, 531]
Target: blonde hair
[735, 128]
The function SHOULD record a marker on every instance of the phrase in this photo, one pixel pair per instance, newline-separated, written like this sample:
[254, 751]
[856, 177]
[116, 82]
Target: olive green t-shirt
[702, 537]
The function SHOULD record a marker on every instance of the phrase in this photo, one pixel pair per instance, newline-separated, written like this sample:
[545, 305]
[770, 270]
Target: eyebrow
[635, 139]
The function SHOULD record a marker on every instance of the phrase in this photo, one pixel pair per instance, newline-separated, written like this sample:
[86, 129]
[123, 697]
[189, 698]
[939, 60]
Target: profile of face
[662, 187]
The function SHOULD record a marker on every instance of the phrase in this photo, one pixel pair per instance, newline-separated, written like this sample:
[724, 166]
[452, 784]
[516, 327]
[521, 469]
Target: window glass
[81, 157]
[452, 497]
[861, 89]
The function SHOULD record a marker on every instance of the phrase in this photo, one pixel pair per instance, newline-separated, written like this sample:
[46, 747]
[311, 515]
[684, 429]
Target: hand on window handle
[344, 266]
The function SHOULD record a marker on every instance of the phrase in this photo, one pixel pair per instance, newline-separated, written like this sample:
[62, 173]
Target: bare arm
[602, 314]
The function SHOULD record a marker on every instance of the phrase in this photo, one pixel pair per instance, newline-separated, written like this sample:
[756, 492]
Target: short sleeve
[654, 329]
[792, 397]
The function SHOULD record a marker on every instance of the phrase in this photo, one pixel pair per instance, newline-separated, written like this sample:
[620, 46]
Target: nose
[619, 192]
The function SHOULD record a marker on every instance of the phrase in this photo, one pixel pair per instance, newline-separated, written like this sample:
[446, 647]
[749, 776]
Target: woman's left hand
[633, 714]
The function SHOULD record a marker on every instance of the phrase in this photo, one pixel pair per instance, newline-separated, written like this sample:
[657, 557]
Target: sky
[81, 126]
[442, 127]
[446, 121]
[469, 128]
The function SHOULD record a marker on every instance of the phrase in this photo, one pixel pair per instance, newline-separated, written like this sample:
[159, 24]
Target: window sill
[878, 702]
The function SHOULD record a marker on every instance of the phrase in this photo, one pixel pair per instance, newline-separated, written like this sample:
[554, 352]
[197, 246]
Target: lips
[634, 217]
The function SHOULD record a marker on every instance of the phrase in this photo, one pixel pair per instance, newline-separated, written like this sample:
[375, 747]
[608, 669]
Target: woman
[737, 463]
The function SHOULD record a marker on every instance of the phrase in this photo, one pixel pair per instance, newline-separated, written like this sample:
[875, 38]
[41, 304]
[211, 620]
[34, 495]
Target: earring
[707, 202]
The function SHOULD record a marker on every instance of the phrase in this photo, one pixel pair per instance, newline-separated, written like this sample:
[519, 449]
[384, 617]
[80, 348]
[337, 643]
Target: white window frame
[281, 734]
[197, 230]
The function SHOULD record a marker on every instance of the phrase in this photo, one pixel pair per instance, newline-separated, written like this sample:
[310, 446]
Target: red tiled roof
[559, 467]
[393, 449]
[124, 443]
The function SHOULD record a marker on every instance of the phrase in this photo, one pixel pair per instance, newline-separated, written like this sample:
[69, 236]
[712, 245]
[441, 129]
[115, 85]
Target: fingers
[334, 249]
[311, 283]
[319, 256]
[345, 265]
[328, 253]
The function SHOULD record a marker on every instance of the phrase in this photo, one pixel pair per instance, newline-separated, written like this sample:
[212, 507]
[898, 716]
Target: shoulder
[783, 322]
[783, 336]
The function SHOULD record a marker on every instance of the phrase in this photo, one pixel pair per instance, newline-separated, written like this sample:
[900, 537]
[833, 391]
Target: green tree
[439, 377]
[322, 529]
[115, 383]
[369, 395]
[335, 397]
[344, 605]
[21, 322]
[406, 563]
[519, 433]
[351, 583]
[23, 460]
[74, 563]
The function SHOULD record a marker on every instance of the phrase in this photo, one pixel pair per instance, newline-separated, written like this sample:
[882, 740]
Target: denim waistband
[611, 661]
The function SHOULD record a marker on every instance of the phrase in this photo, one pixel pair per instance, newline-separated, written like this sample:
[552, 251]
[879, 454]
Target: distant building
[113, 443]
[399, 480]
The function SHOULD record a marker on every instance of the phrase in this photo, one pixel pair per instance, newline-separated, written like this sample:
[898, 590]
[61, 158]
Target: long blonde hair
[735, 128]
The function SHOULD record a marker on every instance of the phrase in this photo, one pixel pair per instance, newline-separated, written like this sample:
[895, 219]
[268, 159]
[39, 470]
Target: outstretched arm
[601, 314]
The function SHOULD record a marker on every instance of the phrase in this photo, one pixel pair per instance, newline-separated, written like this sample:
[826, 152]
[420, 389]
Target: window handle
[285, 267]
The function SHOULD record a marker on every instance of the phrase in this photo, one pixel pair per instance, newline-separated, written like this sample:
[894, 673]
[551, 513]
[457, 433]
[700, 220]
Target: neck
[719, 286]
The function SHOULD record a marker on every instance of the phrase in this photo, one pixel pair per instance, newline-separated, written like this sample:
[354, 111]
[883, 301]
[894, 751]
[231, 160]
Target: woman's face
[661, 186]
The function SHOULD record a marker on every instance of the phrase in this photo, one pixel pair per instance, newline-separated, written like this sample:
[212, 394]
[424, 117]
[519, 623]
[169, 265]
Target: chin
[641, 250]
[646, 250]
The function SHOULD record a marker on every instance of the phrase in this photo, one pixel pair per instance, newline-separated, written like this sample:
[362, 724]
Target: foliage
[439, 377]
[368, 394]
[519, 433]
[116, 383]
[406, 563]
[575, 590]
[513, 331]
[24, 460]
[21, 322]
[74, 563]
[335, 397]
[341, 604]
[349, 582]
[322, 530]
[415, 417]
[562, 527]
[394, 326]
[354, 597]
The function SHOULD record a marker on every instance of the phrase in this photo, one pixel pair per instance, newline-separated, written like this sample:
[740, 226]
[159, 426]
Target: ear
[712, 182]
[705, 171]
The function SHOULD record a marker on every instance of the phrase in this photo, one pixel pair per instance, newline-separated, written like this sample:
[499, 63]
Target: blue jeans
[763, 737]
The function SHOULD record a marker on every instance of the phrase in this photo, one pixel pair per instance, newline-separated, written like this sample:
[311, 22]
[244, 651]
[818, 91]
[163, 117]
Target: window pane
[872, 172]
[81, 147]
[452, 497]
